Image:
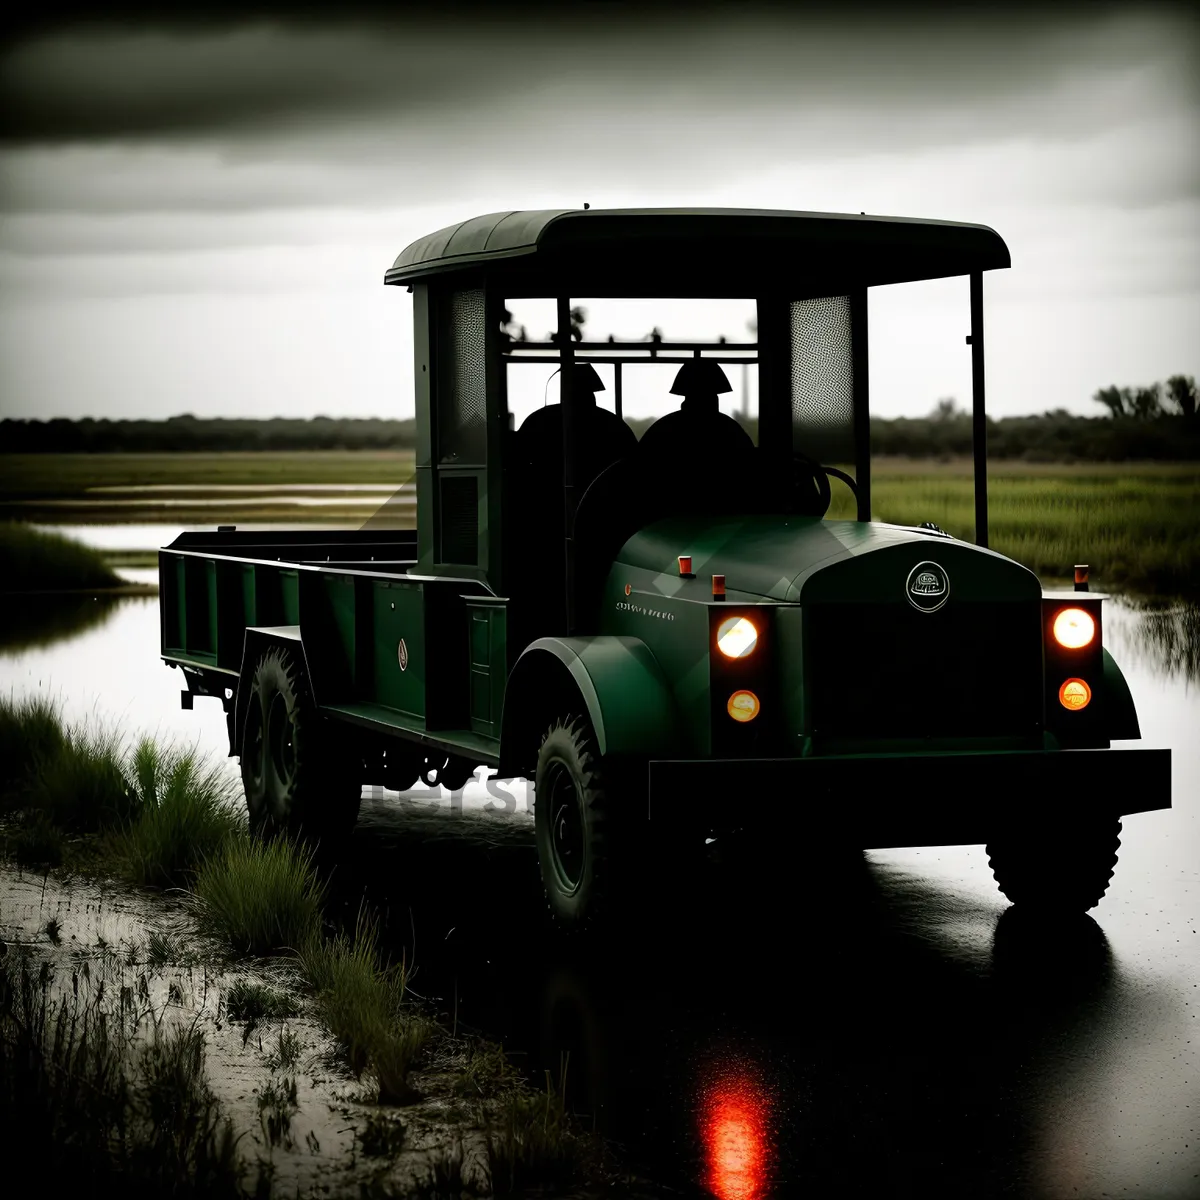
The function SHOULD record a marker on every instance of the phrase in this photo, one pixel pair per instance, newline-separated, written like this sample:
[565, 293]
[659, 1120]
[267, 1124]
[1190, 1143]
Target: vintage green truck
[667, 635]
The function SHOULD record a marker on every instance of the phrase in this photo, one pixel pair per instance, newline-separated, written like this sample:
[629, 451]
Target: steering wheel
[810, 484]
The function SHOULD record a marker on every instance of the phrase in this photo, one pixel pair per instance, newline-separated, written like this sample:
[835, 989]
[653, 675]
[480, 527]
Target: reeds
[260, 897]
[88, 1094]
[185, 814]
[360, 1000]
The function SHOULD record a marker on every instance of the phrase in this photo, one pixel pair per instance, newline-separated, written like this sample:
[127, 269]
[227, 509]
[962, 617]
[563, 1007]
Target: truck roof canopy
[724, 246]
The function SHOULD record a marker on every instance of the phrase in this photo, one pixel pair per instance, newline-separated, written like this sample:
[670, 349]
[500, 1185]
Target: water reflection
[27, 622]
[734, 1120]
[1165, 638]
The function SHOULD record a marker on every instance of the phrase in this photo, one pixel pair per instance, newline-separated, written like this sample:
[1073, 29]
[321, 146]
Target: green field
[103, 488]
[1136, 524]
[29, 476]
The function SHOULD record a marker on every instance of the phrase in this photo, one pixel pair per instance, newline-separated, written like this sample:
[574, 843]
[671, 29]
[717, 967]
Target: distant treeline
[1139, 431]
[204, 434]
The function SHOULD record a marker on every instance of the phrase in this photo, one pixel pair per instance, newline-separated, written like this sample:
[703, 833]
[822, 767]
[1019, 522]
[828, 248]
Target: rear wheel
[1060, 870]
[571, 822]
[296, 777]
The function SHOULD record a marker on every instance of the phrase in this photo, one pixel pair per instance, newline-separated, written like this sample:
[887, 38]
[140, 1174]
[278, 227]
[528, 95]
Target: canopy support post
[566, 352]
[978, 415]
[862, 401]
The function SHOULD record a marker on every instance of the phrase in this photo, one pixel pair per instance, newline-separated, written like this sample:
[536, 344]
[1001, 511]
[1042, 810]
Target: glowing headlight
[737, 637]
[1074, 629]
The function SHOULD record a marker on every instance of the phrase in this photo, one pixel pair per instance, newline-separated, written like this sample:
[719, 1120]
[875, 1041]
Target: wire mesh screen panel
[460, 519]
[462, 381]
[823, 379]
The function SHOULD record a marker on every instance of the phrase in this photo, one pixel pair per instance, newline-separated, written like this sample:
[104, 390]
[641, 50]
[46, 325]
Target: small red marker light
[1081, 577]
[685, 566]
[628, 588]
[718, 587]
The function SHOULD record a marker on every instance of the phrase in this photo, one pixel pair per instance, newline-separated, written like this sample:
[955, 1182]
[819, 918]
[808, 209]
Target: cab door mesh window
[462, 382]
[823, 379]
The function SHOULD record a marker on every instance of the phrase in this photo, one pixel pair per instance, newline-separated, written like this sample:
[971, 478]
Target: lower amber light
[1074, 695]
[743, 706]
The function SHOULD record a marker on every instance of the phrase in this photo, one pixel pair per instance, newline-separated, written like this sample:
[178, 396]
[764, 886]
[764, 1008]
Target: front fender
[1120, 715]
[619, 682]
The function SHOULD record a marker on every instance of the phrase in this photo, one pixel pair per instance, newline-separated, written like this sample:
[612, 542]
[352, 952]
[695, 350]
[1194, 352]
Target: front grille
[889, 671]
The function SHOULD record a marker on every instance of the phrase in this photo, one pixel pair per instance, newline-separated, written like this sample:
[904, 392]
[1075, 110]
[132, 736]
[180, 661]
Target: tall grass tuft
[186, 813]
[360, 1000]
[259, 896]
[82, 787]
[30, 733]
[93, 1099]
[533, 1145]
[33, 560]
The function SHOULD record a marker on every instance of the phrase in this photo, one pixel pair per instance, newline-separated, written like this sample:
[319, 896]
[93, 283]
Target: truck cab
[652, 628]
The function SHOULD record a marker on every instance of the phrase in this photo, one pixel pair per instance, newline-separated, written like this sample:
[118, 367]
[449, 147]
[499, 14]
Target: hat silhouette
[700, 376]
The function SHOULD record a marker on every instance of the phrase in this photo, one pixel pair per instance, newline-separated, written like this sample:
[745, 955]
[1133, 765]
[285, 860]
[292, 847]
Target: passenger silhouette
[601, 437]
[698, 428]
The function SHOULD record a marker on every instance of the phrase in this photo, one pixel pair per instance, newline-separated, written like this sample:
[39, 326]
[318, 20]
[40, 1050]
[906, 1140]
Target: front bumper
[952, 799]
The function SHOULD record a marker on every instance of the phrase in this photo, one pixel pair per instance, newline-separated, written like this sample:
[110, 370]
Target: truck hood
[803, 559]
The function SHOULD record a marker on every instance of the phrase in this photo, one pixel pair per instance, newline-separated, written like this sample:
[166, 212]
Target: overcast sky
[197, 217]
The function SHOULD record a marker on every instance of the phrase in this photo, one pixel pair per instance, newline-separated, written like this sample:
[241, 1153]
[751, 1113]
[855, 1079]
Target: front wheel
[1056, 870]
[571, 823]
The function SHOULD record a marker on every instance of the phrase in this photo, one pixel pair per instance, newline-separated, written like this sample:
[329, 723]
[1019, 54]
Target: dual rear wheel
[297, 776]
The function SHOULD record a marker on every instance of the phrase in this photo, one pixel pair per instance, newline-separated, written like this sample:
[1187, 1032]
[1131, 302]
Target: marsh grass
[163, 948]
[185, 814]
[160, 811]
[276, 1107]
[92, 1096]
[487, 1071]
[31, 732]
[260, 897]
[1134, 524]
[445, 1178]
[286, 1055]
[248, 1000]
[381, 1135]
[36, 842]
[32, 560]
[361, 1002]
[532, 1144]
[82, 786]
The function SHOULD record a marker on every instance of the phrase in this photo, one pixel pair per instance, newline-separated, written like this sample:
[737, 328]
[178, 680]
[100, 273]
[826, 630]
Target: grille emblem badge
[928, 587]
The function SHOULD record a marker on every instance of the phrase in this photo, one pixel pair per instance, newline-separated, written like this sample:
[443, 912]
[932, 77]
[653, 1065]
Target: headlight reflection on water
[734, 1129]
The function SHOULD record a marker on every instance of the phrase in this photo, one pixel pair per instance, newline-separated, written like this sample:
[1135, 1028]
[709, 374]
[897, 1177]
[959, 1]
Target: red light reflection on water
[733, 1125]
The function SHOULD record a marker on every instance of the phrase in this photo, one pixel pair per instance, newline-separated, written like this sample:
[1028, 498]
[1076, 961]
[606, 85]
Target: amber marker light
[737, 637]
[1074, 629]
[743, 706]
[1073, 695]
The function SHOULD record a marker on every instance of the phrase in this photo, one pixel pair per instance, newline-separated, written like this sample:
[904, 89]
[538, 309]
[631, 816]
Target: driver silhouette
[698, 429]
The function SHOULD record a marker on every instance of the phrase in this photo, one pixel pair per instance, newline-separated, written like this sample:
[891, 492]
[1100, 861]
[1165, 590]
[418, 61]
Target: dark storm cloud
[87, 82]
